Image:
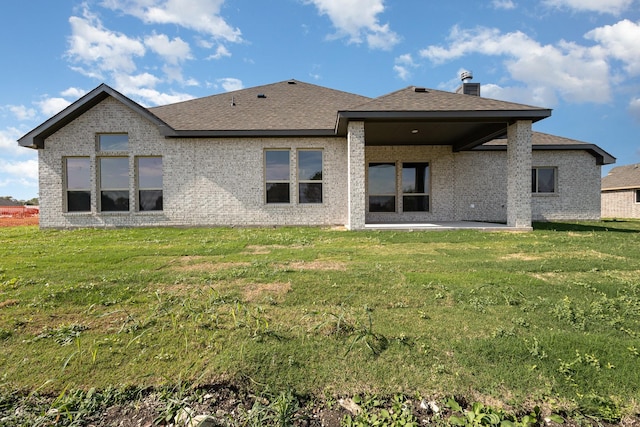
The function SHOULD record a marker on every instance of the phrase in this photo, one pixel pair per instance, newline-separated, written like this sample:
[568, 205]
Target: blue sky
[579, 57]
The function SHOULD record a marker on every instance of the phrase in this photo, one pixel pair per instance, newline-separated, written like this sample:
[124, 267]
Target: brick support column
[519, 174]
[356, 176]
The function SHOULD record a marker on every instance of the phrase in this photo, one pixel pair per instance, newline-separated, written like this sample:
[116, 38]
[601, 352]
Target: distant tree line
[30, 202]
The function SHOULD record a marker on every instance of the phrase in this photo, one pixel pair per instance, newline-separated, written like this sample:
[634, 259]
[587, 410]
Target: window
[149, 183]
[415, 187]
[382, 187]
[543, 180]
[310, 176]
[277, 177]
[78, 183]
[637, 196]
[113, 142]
[114, 184]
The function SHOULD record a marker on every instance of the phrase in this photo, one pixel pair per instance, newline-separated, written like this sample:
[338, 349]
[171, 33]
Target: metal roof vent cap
[466, 75]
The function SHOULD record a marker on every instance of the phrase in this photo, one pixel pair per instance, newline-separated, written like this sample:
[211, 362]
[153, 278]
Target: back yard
[293, 318]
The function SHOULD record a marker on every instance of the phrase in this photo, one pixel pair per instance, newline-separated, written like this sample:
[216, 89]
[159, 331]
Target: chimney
[468, 88]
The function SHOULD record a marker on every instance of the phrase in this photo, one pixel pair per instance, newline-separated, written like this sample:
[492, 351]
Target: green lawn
[550, 317]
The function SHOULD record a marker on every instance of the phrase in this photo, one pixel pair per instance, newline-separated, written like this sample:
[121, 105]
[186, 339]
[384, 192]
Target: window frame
[101, 149]
[102, 189]
[316, 181]
[139, 188]
[68, 190]
[638, 196]
[268, 181]
[371, 195]
[427, 189]
[535, 187]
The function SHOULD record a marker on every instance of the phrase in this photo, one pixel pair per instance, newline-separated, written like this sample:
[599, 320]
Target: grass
[550, 317]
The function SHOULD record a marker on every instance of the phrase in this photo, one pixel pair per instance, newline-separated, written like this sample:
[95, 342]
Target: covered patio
[417, 117]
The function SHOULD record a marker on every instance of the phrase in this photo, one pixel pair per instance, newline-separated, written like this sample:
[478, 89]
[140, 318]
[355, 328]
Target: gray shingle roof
[622, 177]
[287, 105]
[421, 99]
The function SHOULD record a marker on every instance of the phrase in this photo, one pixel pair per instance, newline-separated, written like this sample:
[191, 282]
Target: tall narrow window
[78, 183]
[277, 176]
[149, 183]
[415, 187]
[382, 187]
[310, 176]
[637, 196]
[543, 180]
[113, 142]
[114, 184]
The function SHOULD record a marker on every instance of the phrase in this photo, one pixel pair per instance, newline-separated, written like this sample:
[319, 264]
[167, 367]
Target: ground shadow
[616, 226]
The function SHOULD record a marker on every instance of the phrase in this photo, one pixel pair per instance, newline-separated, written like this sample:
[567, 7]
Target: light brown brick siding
[220, 181]
[620, 204]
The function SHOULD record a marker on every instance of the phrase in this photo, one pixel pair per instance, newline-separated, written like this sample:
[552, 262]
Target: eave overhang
[602, 157]
[35, 139]
[256, 133]
[461, 129]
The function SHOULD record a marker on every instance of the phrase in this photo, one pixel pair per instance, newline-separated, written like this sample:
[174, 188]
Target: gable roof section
[286, 108]
[35, 138]
[545, 141]
[622, 178]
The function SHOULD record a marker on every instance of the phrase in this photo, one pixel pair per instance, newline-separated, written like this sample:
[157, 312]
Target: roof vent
[420, 89]
[291, 82]
[262, 95]
[466, 75]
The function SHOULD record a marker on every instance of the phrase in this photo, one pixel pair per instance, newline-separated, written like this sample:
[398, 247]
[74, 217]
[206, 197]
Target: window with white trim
[78, 184]
[543, 180]
[277, 176]
[310, 176]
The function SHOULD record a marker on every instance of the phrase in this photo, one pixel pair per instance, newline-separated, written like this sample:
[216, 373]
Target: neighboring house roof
[7, 202]
[622, 178]
[545, 141]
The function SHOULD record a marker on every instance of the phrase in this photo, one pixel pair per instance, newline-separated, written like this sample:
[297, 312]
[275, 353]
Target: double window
[113, 177]
[543, 180]
[384, 191]
[278, 176]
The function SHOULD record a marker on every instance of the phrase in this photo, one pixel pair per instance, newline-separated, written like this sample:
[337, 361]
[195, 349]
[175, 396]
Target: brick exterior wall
[220, 181]
[620, 204]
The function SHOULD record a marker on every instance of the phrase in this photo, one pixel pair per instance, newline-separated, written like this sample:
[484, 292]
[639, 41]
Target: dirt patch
[317, 265]
[521, 257]
[198, 263]
[8, 303]
[257, 291]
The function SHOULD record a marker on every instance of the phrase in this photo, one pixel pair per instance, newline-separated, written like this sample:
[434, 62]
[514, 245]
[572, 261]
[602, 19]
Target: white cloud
[20, 171]
[221, 52]
[230, 84]
[99, 49]
[614, 7]
[403, 66]
[173, 51]
[52, 106]
[357, 19]
[9, 142]
[21, 112]
[202, 16]
[634, 108]
[503, 4]
[73, 92]
[576, 73]
[620, 41]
